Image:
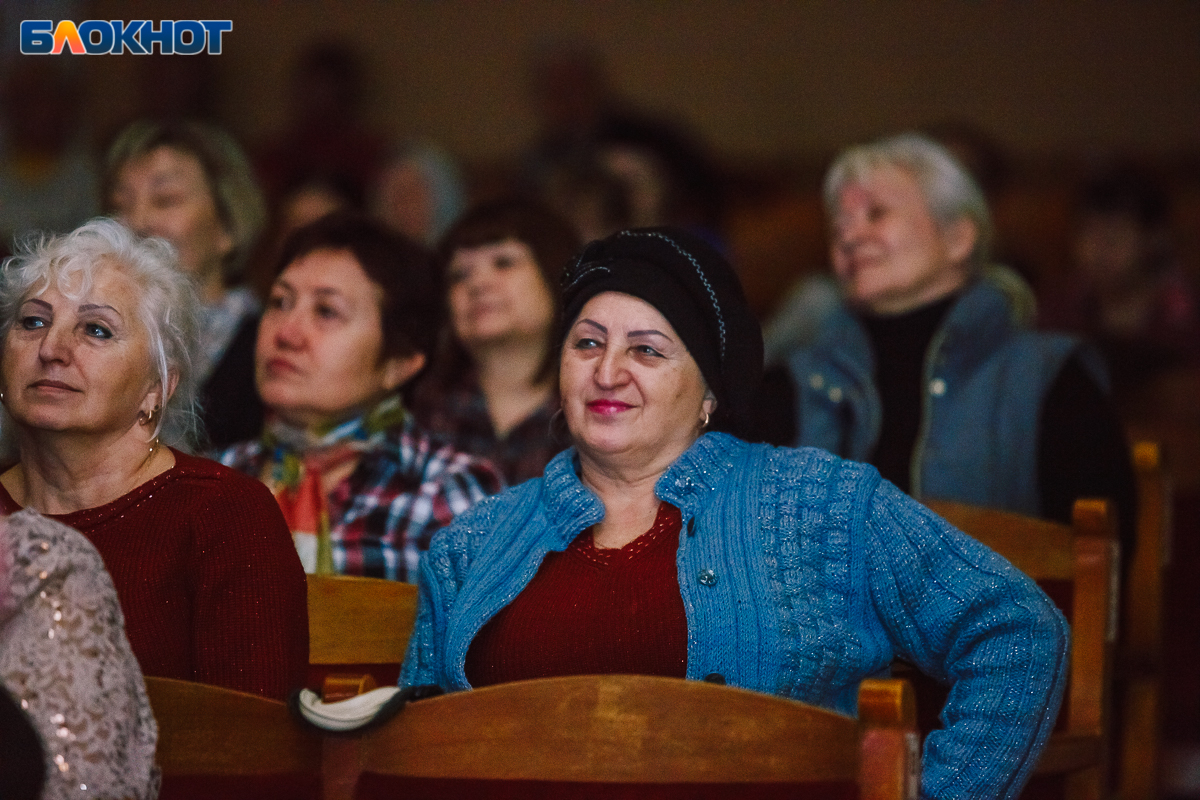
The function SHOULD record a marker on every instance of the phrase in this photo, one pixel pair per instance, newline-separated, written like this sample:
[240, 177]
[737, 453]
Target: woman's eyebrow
[88, 307]
[41, 303]
[650, 332]
[594, 324]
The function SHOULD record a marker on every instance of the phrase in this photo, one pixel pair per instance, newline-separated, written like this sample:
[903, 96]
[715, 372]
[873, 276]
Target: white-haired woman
[97, 329]
[929, 371]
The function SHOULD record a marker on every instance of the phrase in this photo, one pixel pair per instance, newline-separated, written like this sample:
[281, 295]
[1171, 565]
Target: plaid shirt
[384, 514]
[459, 413]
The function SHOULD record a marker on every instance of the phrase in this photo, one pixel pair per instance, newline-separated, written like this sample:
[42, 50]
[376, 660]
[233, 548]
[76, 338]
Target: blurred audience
[929, 371]
[191, 184]
[419, 192]
[1126, 289]
[65, 660]
[352, 317]
[666, 175]
[493, 390]
[47, 174]
[99, 334]
[325, 133]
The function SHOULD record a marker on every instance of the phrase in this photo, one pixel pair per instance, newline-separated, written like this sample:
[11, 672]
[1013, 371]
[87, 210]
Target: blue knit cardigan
[801, 574]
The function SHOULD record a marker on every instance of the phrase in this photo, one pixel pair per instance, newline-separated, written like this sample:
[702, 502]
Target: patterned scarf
[297, 461]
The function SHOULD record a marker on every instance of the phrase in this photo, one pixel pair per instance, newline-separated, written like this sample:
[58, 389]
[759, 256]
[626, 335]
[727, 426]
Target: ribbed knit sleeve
[250, 624]
[964, 615]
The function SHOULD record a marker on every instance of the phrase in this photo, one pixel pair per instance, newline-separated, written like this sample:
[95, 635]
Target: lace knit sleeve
[65, 658]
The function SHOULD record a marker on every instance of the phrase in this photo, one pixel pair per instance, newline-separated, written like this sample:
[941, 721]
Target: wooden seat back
[219, 742]
[627, 729]
[1083, 555]
[355, 620]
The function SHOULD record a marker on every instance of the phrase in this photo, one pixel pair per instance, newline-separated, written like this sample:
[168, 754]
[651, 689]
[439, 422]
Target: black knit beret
[695, 288]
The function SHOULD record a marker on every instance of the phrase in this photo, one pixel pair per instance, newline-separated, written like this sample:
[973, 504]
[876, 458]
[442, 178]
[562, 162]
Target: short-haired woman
[351, 319]
[191, 184]
[929, 370]
[97, 332]
[658, 545]
[493, 391]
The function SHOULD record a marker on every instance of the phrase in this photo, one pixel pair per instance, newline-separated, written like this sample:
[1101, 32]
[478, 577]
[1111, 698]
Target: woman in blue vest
[929, 371]
[661, 543]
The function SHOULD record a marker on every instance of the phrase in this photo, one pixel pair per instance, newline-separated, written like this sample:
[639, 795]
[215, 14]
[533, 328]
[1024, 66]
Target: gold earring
[704, 424]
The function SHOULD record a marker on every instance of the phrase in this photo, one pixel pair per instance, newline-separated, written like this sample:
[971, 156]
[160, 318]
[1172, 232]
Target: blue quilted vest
[985, 377]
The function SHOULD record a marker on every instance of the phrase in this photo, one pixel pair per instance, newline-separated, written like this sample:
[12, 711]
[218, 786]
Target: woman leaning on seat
[97, 329]
[350, 320]
[658, 545]
[190, 183]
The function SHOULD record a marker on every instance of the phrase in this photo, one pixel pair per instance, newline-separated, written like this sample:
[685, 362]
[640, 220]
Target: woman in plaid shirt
[350, 320]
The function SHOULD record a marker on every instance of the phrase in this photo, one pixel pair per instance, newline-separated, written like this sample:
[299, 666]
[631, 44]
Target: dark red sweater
[209, 580]
[592, 612]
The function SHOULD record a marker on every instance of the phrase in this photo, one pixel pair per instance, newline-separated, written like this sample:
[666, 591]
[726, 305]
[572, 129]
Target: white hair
[168, 307]
[950, 193]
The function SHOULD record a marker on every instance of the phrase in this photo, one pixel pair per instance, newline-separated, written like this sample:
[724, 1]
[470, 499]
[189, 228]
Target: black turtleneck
[899, 343]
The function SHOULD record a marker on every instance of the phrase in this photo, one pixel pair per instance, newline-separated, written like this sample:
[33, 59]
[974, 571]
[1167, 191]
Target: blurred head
[501, 263]
[98, 328]
[419, 193]
[1121, 223]
[352, 316]
[190, 183]
[908, 224]
[692, 289]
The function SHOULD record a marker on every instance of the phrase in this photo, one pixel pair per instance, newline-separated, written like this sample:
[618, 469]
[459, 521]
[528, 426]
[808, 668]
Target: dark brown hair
[549, 236]
[411, 308]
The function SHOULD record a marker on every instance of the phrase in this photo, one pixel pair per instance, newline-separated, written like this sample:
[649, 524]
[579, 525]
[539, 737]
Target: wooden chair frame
[355, 620]
[211, 731]
[1139, 648]
[643, 729]
[1084, 554]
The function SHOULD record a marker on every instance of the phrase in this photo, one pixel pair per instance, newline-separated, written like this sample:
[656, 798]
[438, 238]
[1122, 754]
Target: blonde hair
[230, 177]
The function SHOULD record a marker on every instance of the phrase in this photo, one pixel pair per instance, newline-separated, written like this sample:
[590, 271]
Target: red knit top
[209, 580]
[589, 611]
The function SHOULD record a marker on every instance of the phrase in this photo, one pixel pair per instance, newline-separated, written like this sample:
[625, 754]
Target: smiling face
[319, 355]
[80, 365]
[631, 392]
[165, 193]
[889, 254]
[497, 293]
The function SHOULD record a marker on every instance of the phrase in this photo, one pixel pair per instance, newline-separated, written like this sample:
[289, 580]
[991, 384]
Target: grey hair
[168, 307]
[951, 194]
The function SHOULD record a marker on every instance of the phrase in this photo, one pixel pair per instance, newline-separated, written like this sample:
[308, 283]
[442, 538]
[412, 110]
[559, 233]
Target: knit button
[691, 527]
[937, 387]
[816, 381]
[835, 394]
[707, 577]
[715, 677]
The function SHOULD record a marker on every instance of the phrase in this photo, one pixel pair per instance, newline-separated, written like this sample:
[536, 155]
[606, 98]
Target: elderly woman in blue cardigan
[663, 544]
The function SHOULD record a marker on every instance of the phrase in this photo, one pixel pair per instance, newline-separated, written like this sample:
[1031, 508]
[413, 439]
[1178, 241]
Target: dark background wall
[760, 81]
